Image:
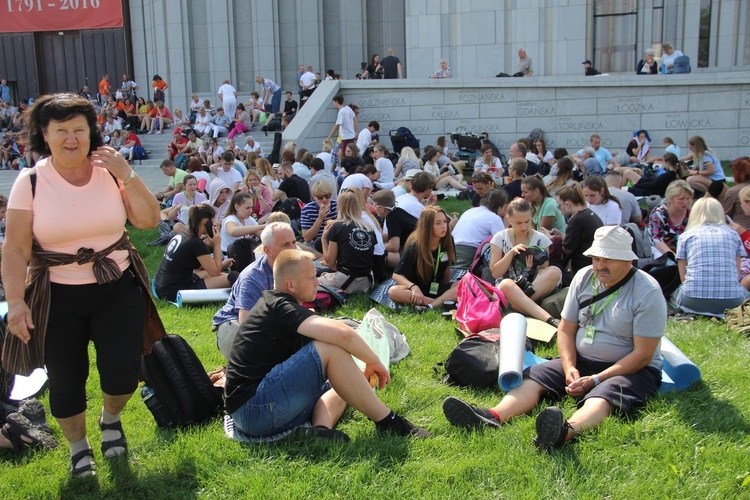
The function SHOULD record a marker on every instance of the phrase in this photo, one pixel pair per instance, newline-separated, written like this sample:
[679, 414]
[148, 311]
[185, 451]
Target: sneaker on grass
[551, 429]
[463, 414]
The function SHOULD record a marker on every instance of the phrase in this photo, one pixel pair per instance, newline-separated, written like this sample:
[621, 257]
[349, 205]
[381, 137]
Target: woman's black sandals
[86, 468]
[114, 447]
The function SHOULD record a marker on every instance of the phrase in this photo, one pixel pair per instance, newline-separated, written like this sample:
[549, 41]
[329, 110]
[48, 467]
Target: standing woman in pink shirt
[66, 221]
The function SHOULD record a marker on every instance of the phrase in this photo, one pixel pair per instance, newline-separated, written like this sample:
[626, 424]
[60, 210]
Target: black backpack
[272, 125]
[178, 391]
[474, 362]
[290, 206]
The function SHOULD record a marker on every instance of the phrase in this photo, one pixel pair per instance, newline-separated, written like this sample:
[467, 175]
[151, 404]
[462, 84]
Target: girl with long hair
[514, 255]
[348, 247]
[239, 222]
[601, 202]
[655, 184]
[565, 175]
[706, 165]
[545, 212]
[269, 177]
[423, 274]
[582, 224]
[193, 259]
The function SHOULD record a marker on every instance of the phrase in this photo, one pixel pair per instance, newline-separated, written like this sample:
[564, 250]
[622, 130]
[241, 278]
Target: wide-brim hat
[648, 137]
[612, 242]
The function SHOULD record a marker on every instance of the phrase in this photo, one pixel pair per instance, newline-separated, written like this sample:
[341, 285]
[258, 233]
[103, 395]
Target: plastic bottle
[154, 405]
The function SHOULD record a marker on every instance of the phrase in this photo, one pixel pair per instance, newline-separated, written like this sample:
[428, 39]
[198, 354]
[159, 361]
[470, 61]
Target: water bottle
[154, 405]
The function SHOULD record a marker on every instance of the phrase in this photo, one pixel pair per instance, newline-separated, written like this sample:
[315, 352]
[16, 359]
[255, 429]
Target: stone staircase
[149, 169]
[157, 143]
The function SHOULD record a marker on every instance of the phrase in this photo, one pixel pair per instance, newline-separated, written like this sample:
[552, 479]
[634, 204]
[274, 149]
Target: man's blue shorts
[285, 397]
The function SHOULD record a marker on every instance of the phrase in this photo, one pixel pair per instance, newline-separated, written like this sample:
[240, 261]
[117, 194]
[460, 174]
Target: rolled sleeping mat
[190, 297]
[677, 372]
[512, 348]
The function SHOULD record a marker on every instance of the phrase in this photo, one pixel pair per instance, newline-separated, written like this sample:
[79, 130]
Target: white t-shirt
[345, 121]
[364, 139]
[360, 181]
[253, 149]
[268, 180]
[475, 225]
[411, 204]
[503, 242]
[385, 167]
[226, 238]
[227, 92]
[399, 190]
[204, 149]
[609, 213]
[308, 79]
[230, 177]
[432, 168]
[326, 157]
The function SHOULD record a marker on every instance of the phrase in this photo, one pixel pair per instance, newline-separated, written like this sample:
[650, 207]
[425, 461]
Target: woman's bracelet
[129, 178]
[412, 286]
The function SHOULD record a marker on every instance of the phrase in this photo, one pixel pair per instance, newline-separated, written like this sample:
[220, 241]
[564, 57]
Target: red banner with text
[59, 15]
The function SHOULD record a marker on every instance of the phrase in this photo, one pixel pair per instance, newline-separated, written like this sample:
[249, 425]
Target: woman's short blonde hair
[676, 188]
[321, 188]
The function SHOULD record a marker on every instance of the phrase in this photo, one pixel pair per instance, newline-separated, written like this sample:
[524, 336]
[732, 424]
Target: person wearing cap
[590, 70]
[609, 349]
[403, 185]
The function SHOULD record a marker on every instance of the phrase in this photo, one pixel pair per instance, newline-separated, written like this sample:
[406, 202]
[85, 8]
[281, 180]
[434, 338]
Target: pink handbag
[479, 304]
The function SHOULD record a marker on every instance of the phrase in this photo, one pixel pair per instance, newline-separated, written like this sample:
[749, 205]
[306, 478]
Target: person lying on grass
[289, 366]
[609, 350]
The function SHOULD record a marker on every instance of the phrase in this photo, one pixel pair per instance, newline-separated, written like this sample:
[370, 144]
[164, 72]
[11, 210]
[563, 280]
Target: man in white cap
[609, 338]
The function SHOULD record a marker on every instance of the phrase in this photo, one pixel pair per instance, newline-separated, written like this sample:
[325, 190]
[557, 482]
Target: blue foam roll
[185, 297]
[678, 372]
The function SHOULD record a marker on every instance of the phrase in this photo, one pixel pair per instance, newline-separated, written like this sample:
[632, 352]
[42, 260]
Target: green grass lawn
[693, 444]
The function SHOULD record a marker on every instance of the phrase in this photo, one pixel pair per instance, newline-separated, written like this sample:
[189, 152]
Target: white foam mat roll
[188, 297]
[512, 348]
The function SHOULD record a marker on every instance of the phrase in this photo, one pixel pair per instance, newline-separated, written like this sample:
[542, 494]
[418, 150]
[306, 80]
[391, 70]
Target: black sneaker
[398, 425]
[551, 429]
[33, 410]
[462, 414]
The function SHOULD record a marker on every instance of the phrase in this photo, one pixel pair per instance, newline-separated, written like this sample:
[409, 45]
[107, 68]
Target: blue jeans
[285, 397]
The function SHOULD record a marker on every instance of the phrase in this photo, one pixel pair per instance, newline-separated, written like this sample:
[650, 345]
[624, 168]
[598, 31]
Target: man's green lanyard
[590, 330]
[434, 284]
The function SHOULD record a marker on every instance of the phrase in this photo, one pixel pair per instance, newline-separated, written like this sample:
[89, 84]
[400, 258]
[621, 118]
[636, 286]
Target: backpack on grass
[178, 391]
[475, 362]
